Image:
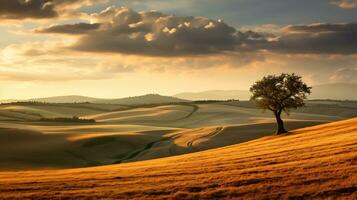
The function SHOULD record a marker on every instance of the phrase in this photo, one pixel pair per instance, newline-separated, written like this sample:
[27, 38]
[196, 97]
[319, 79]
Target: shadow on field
[27, 149]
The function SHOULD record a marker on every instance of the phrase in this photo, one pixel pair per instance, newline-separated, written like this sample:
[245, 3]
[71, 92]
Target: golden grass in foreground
[316, 162]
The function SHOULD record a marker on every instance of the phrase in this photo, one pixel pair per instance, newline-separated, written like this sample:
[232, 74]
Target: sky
[119, 48]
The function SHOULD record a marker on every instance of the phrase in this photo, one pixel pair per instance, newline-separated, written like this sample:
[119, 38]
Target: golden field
[134, 133]
[315, 162]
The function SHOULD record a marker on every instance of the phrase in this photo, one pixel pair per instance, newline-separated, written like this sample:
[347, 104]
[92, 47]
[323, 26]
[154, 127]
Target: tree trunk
[280, 123]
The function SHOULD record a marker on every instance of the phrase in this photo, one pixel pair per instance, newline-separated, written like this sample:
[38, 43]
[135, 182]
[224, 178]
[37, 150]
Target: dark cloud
[20, 9]
[122, 30]
[317, 39]
[79, 28]
[152, 33]
[318, 28]
[39, 9]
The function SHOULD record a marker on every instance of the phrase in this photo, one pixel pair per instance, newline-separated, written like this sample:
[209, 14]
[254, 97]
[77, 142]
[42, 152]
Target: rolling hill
[336, 91]
[137, 100]
[315, 162]
[65, 99]
[135, 133]
[142, 100]
[341, 91]
[215, 95]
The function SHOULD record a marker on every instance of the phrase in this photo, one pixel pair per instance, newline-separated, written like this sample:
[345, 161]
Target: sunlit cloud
[346, 4]
[343, 74]
[125, 31]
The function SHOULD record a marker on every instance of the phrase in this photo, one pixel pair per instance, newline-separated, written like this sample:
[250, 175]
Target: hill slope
[142, 100]
[132, 133]
[337, 91]
[215, 95]
[65, 99]
[341, 91]
[137, 100]
[315, 162]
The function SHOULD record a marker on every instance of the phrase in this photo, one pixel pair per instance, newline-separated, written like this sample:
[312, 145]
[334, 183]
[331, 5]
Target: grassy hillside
[217, 114]
[28, 111]
[315, 162]
[59, 145]
[134, 133]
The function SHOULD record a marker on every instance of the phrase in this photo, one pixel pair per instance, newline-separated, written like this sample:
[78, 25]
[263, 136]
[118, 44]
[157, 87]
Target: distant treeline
[40, 103]
[216, 101]
[333, 100]
[27, 103]
[74, 119]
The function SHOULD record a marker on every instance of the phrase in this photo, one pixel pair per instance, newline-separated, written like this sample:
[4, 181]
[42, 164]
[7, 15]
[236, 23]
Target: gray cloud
[125, 31]
[318, 28]
[317, 39]
[79, 28]
[346, 4]
[156, 34]
[39, 9]
[20, 9]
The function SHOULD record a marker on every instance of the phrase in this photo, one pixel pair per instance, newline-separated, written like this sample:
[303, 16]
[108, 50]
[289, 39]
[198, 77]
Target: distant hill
[65, 99]
[8, 100]
[337, 91]
[340, 91]
[137, 100]
[140, 100]
[215, 95]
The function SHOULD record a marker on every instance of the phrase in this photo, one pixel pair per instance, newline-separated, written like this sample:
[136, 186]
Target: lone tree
[278, 94]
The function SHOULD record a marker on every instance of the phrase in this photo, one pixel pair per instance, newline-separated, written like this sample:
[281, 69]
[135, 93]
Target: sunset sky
[119, 48]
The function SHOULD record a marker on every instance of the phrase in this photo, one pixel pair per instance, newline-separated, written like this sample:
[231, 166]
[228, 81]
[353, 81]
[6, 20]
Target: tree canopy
[280, 93]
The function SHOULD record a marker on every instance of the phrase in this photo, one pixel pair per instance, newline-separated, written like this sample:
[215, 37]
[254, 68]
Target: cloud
[20, 9]
[40, 9]
[322, 28]
[348, 75]
[346, 4]
[79, 28]
[126, 31]
[317, 39]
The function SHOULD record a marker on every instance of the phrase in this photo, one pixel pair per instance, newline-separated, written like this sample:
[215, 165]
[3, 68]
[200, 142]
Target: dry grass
[31, 146]
[316, 162]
